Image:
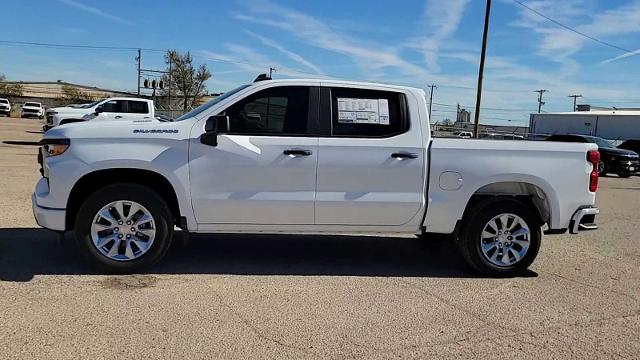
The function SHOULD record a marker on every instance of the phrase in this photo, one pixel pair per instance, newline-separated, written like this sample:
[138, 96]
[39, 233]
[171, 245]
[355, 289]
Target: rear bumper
[584, 219]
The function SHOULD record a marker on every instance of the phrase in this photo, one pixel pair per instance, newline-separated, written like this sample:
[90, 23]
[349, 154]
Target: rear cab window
[366, 113]
[138, 107]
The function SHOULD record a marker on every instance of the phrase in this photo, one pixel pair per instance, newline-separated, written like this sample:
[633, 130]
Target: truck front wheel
[500, 237]
[123, 228]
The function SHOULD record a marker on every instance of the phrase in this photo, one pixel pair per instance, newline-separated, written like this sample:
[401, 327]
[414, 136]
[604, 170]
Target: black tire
[132, 192]
[473, 224]
[602, 172]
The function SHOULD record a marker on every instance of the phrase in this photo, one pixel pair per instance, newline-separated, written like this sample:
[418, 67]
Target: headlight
[55, 147]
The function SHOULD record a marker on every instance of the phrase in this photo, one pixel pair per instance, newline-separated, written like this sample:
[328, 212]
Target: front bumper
[584, 219]
[53, 219]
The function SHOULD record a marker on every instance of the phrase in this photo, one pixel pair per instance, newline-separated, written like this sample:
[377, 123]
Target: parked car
[32, 109]
[314, 157]
[104, 109]
[632, 145]
[612, 160]
[494, 136]
[463, 134]
[5, 107]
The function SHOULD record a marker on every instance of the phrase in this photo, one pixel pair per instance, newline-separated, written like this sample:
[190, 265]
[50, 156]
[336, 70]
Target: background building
[608, 123]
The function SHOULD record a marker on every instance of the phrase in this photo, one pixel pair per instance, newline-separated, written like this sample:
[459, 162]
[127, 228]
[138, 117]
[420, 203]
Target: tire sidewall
[132, 192]
[479, 216]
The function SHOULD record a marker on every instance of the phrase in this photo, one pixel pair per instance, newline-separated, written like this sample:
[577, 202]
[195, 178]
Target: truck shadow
[27, 252]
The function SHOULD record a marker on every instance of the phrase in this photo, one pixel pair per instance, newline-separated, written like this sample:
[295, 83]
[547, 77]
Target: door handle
[404, 155]
[295, 153]
[118, 117]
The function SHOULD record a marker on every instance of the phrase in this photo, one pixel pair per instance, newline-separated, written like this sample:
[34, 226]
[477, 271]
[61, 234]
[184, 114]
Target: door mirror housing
[217, 124]
[99, 110]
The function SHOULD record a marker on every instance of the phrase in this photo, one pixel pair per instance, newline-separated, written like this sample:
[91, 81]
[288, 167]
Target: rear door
[371, 164]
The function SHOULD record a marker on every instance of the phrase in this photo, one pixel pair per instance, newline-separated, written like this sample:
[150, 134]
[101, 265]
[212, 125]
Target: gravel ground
[229, 296]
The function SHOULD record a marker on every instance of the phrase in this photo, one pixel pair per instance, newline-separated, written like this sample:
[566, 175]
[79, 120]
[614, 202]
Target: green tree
[72, 94]
[10, 90]
[187, 81]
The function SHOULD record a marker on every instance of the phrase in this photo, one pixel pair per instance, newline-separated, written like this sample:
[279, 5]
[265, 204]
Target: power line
[572, 29]
[72, 46]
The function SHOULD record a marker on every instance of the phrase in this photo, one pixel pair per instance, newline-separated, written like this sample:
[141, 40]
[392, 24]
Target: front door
[264, 170]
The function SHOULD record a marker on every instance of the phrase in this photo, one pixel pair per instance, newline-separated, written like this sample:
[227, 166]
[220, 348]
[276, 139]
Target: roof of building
[627, 111]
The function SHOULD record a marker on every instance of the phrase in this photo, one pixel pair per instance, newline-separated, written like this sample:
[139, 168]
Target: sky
[413, 42]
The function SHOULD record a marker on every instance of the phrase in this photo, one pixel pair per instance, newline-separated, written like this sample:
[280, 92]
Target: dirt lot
[308, 297]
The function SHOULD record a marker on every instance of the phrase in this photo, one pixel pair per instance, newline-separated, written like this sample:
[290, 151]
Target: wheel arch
[95, 180]
[534, 196]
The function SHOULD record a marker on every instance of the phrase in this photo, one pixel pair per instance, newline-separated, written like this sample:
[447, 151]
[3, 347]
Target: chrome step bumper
[584, 219]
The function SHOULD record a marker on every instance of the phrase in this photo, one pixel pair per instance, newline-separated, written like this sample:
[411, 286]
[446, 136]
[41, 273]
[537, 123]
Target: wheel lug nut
[128, 222]
[128, 236]
[133, 229]
[116, 229]
[120, 236]
[120, 222]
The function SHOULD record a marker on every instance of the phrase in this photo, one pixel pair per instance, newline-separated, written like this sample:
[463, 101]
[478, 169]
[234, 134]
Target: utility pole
[139, 59]
[575, 98]
[476, 126]
[271, 70]
[170, 71]
[540, 102]
[432, 86]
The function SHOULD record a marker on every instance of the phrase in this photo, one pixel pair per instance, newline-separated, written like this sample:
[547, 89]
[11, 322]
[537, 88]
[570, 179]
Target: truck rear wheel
[500, 237]
[123, 228]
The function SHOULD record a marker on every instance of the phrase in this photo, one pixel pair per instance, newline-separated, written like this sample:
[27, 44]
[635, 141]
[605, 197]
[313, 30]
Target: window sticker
[363, 111]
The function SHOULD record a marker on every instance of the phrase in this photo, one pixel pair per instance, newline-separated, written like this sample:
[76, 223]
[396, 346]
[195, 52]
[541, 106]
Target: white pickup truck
[309, 156]
[103, 109]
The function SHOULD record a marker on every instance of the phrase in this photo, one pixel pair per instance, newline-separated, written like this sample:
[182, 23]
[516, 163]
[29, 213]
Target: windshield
[86, 106]
[4, 101]
[32, 104]
[602, 143]
[210, 103]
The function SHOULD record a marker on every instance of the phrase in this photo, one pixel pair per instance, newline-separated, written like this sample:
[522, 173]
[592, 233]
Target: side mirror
[99, 110]
[217, 124]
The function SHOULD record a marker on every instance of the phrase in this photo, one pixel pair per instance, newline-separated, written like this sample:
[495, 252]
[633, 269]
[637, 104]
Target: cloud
[370, 56]
[252, 61]
[442, 19]
[95, 11]
[558, 44]
[290, 54]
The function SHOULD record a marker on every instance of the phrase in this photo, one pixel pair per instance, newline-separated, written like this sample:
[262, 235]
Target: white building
[613, 124]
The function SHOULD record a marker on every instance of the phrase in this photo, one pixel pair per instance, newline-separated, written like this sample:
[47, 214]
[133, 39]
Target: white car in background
[5, 107]
[463, 134]
[32, 109]
[103, 109]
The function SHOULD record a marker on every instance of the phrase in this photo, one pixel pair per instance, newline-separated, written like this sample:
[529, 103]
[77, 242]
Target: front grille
[31, 110]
